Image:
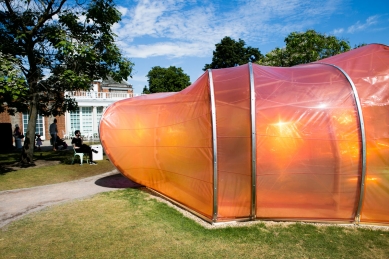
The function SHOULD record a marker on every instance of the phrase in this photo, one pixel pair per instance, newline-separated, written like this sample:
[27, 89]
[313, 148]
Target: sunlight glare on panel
[368, 179]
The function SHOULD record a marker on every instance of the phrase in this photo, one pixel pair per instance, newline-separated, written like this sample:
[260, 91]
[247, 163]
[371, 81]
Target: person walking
[53, 132]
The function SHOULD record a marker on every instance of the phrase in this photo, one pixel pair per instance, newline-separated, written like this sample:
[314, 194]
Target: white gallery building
[91, 105]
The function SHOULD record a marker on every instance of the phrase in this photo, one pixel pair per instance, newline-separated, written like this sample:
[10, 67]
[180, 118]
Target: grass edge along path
[132, 224]
[55, 167]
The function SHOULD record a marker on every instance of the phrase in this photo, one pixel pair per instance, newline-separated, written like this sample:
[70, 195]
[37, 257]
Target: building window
[87, 119]
[39, 129]
[99, 111]
[75, 120]
[82, 119]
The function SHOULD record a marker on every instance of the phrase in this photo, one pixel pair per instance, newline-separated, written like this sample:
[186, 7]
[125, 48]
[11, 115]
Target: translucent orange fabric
[163, 141]
[308, 157]
[233, 141]
[368, 68]
[307, 144]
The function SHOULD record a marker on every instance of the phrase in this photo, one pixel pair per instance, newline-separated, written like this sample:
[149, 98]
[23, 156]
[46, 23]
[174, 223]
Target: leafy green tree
[171, 79]
[276, 58]
[231, 53]
[305, 47]
[146, 90]
[359, 45]
[71, 42]
[13, 87]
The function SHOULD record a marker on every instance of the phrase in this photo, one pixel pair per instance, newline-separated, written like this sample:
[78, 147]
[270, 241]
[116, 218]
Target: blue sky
[183, 33]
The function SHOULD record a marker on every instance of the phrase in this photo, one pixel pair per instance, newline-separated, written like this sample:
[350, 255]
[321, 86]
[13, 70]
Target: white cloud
[145, 19]
[192, 28]
[122, 10]
[338, 31]
[362, 26]
[172, 49]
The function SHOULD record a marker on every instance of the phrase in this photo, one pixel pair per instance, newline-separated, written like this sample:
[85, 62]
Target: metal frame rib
[214, 146]
[253, 146]
[363, 139]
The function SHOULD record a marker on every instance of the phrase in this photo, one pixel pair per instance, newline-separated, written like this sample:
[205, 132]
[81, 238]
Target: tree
[70, 42]
[359, 45]
[146, 90]
[276, 58]
[13, 85]
[171, 79]
[305, 47]
[231, 53]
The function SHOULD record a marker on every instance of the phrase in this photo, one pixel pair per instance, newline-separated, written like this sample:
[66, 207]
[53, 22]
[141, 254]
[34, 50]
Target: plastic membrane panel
[256, 142]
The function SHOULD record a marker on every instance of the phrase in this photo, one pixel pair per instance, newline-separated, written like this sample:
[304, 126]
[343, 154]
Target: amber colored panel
[193, 193]
[164, 141]
[307, 144]
[232, 155]
[285, 196]
[308, 140]
[233, 122]
[368, 68]
[234, 197]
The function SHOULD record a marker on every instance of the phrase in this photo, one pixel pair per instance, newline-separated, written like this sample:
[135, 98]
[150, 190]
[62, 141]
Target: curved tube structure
[304, 143]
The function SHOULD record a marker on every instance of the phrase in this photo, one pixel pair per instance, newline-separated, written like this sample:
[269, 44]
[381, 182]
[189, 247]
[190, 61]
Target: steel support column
[253, 146]
[214, 146]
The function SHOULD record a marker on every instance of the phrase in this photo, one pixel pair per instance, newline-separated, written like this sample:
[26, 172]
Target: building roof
[110, 83]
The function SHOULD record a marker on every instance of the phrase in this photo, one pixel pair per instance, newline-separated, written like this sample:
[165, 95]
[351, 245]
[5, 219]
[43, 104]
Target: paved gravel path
[14, 204]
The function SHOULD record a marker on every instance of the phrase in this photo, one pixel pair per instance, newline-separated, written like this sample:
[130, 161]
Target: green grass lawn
[130, 224]
[52, 167]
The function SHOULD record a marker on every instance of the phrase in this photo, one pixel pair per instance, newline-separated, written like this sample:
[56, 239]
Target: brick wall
[17, 119]
[60, 125]
[5, 118]
[13, 119]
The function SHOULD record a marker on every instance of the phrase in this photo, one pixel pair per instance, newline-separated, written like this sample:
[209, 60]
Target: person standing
[53, 132]
[38, 141]
[79, 147]
[17, 131]
[18, 137]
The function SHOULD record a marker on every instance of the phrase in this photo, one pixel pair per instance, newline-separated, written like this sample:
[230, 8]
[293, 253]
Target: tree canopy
[304, 47]
[231, 53]
[59, 45]
[171, 79]
[13, 86]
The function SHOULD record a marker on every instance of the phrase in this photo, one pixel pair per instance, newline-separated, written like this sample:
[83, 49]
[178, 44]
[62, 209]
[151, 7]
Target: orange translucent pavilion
[303, 143]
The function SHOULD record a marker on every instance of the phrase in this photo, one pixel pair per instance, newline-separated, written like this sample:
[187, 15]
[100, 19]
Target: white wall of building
[91, 106]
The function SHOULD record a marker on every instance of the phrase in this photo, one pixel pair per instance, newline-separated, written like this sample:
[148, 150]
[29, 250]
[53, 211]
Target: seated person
[82, 148]
[60, 142]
